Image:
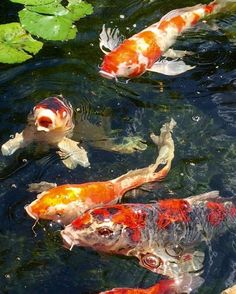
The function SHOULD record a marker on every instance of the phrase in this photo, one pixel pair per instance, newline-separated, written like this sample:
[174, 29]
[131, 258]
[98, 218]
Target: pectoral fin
[170, 68]
[71, 154]
[130, 145]
[171, 53]
[13, 144]
[41, 186]
[109, 39]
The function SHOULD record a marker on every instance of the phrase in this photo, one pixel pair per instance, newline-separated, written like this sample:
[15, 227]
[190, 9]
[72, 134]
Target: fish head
[52, 113]
[124, 61]
[61, 204]
[111, 229]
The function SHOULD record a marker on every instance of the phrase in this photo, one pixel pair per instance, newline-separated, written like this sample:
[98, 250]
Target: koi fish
[175, 286]
[184, 285]
[143, 51]
[162, 235]
[65, 203]
[231, 290]
[50, 122]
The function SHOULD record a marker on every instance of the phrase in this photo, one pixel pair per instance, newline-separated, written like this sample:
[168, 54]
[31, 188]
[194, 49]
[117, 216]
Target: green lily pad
[54, 21]
[15, 44]
[34, 2]
[79, 9]
[54, 8]
[49, 27]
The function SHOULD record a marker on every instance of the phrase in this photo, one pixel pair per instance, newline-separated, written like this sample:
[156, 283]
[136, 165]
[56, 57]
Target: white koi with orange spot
[50, 123]
[142, 51]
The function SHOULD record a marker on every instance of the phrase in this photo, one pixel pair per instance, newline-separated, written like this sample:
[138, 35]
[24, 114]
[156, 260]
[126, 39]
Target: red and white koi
[142, 51]
[65, 203]
[50, 122]
[162, 235]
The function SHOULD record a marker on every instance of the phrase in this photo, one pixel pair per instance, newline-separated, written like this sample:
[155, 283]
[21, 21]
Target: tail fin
[136, 178]
[229, 4]
[225, 1]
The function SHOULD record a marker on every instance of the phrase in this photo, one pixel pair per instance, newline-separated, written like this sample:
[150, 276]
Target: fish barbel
[66, 202]
[162, 235]
[141, 52]
[50, 122]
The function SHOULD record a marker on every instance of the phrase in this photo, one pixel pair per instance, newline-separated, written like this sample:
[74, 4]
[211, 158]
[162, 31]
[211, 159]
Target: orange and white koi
[50, 122]
[142, 51]
[162, 235]
[65, 203]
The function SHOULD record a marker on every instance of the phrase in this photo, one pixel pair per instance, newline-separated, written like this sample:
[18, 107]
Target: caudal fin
[226, 5]
[136, 178]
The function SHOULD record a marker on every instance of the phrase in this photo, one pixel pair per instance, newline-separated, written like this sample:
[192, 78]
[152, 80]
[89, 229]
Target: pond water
[202, 101]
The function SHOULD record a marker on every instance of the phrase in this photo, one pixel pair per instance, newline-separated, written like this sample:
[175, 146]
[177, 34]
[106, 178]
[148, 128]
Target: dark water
[202, 101]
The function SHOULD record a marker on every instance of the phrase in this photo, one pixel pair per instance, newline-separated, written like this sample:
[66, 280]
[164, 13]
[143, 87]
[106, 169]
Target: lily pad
[79, 9]
[54, 21]
[49, 27]
[15, 44]
[34, 2]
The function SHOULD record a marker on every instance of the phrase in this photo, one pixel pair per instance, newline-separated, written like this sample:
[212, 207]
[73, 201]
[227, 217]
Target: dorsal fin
[212, 195]
[41, 186]
[179, 12]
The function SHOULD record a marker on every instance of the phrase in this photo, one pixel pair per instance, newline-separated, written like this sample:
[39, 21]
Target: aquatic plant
[47, 19]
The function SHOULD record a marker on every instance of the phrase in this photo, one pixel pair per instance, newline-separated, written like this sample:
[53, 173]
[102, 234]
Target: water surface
[202, 101]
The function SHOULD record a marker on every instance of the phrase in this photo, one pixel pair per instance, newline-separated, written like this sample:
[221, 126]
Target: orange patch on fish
[82, 221]
[153, 51]
[129, 217]
[210, 8]
[171, 211]
[179, 22]
[216, 214]
[53, 197]
[196, 18]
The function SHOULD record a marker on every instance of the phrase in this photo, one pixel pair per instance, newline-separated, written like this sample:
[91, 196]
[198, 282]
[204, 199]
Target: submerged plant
[47, 19]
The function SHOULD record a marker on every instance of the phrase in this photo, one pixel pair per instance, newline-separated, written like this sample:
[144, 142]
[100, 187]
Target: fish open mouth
[44, 122]
[106, 75]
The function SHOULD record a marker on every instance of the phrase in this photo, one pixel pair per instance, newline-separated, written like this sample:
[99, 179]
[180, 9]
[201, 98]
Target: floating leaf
[34, 2]
[54, 8]
[15, 44]
[79, 9]
[54, 21]
[47, 26]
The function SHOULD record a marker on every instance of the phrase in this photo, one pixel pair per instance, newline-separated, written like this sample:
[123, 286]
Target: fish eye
[104, 232]
[174, 251]
[151, 261]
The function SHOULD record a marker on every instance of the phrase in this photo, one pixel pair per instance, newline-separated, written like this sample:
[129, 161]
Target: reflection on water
[202, 101]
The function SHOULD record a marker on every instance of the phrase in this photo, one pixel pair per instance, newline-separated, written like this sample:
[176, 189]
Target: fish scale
[189, 233]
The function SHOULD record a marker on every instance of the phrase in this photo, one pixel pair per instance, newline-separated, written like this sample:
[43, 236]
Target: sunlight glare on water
[202, 102]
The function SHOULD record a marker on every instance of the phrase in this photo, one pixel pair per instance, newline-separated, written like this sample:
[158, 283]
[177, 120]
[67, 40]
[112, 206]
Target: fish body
[50, 122]
[162, 235]
[167, 286]
[141, 52]
[161, 288]
[65, 203]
